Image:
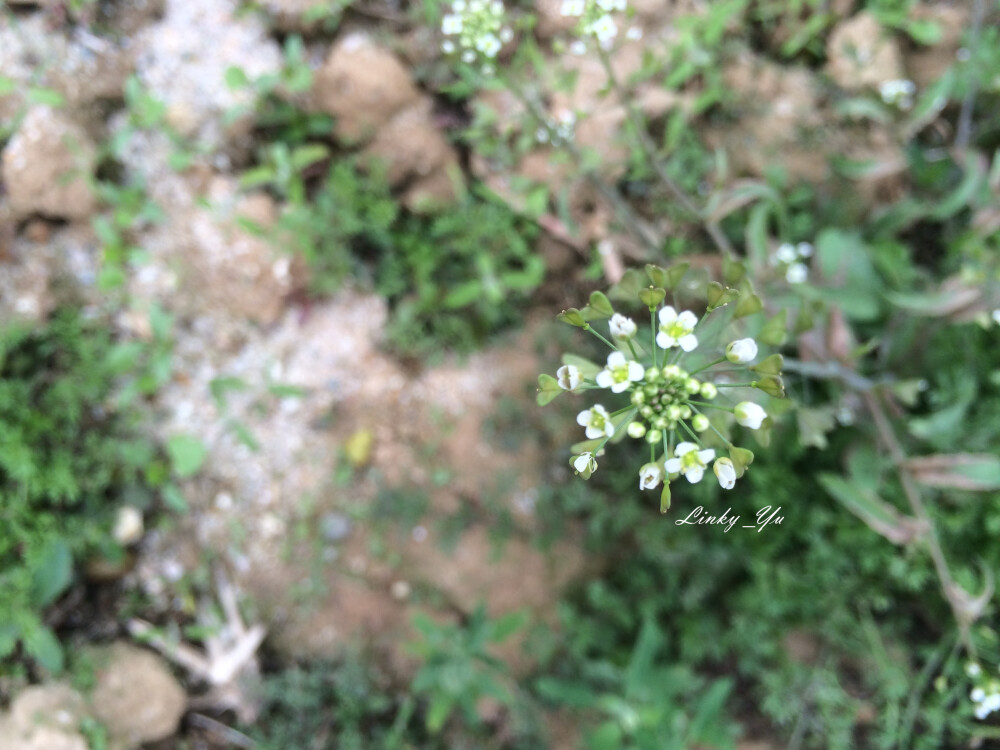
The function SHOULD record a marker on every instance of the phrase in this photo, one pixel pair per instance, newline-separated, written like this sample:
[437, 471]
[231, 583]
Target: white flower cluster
[791, 257]
[475, 31]
[898, 93]
[595, 18]
[986, 695]
[661, 402]
[560, 129]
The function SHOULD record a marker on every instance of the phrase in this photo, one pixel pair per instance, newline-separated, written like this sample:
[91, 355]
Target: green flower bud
[700, 423]
[646, 411]
[636, 430]
[665, 497]
[653, 437]
[652, 374]
[638, 398]
[692, 385]
[709, 391]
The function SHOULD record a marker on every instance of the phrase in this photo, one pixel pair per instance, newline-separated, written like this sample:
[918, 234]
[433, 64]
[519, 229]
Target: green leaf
[309, 154]
[51, 571]
[587, 368]
[9, 635]
[236, 78]
[870, 508]
[505, 626]
[42, 645]
[187, 454]
[46, 97]
[463, 295]
[976, 472]
[174, 499]
[438, 712]
[972, 182]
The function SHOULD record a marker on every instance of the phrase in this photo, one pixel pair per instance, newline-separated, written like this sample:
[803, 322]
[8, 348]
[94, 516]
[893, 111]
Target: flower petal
[667, 315]
[689, 343]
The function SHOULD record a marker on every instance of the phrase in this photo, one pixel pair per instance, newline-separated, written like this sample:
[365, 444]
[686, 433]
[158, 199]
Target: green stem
[725, 440]
[710, 406]
[631, 348]
[751, 384]
[590, 328]
[624, 422]
[652, 326]
[692, 433]
[710, 364]
[649, 149]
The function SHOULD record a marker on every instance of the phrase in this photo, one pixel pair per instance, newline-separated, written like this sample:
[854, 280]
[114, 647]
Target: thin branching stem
[887, 437]
[638, 123]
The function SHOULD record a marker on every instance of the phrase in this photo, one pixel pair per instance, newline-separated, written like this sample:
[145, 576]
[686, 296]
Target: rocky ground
[295, 541]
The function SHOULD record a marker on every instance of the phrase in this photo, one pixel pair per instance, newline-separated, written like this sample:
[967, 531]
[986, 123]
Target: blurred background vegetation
[323, 164]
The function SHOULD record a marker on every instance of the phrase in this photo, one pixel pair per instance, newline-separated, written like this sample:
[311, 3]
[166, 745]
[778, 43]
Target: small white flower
[634, 33]
[621, 327]
[689, 461]
[619, 373]
[506, 35]
[585, 463]
[977, 695]
[741, 351]
[451, 24]
[489, 45]
[675, 330]
[468, 57]
[725, 472]
[804, 249]
[572, 7]
[447, 46]
[597, 421]
[786, 253]
[797, 273]
[996, 316]
[649, 477]
[578, 47]
[973, 670]
[749, 414]
[604, 28]
[569, 377]
[458, 6]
